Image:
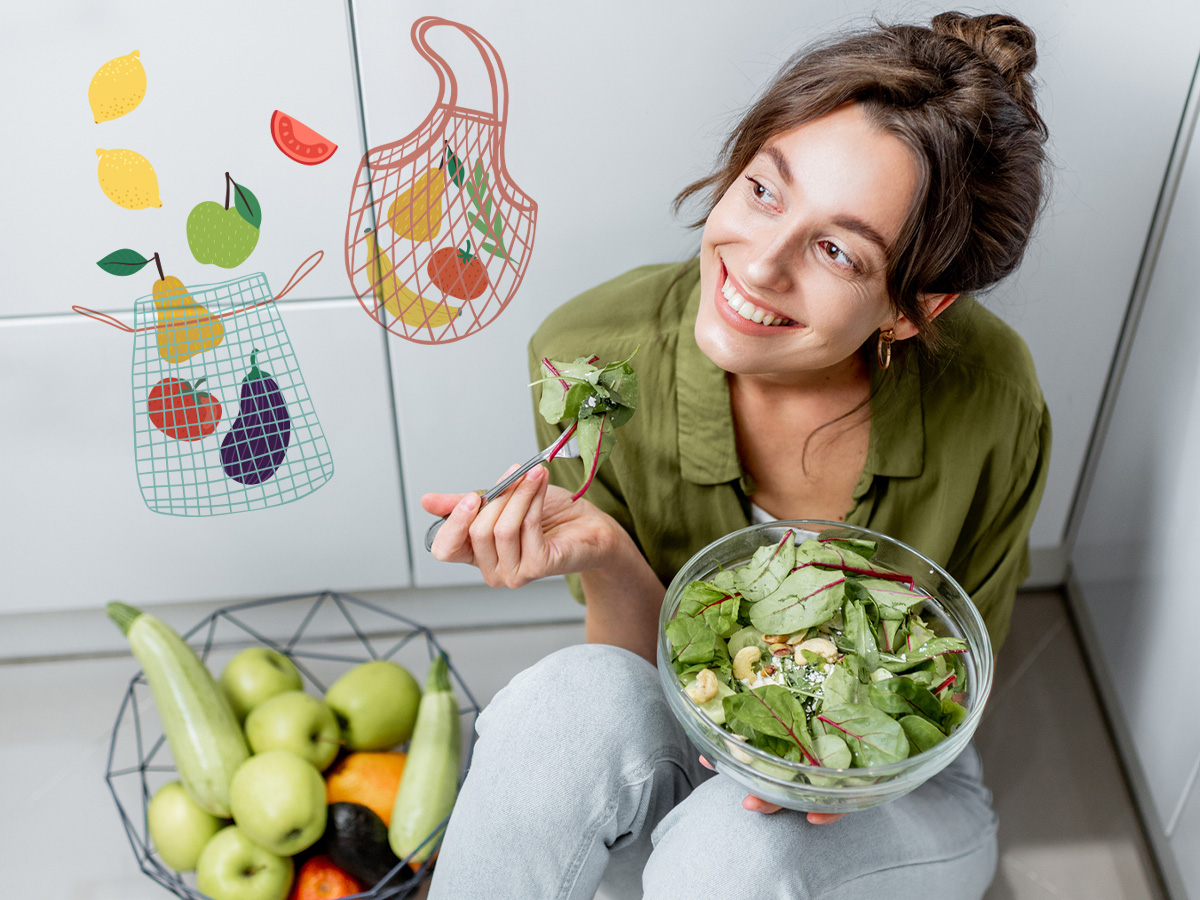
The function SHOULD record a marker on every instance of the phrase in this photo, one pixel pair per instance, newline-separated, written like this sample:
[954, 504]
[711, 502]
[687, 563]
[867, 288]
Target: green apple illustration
[226, 235]
[178, 827]
[376, 705]
[298, 722]
[233, 867]
[278, 800]
[257, 674]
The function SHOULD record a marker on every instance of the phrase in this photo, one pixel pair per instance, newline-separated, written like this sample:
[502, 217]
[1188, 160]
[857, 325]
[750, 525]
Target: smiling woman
[820, 358]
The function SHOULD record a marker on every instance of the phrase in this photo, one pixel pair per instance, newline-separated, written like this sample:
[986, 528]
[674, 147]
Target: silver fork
[565, 447]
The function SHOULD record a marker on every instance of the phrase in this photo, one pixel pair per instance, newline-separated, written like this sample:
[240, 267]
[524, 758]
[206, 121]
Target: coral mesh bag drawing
[222, 420]
[438, 235]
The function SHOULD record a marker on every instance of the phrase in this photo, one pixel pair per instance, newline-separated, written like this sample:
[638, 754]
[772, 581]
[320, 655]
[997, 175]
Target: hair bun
[1004, 41]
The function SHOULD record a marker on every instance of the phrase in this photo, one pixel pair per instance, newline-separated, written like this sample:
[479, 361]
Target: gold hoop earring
[883, 351]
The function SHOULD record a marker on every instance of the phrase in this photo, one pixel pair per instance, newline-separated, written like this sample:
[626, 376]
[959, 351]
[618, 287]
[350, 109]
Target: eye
[837, 254]
[759, 190]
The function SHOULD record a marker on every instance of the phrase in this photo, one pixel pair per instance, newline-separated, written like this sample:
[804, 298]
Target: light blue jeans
[582, 774]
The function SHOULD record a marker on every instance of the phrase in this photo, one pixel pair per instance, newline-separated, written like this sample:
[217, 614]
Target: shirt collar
[708, 444]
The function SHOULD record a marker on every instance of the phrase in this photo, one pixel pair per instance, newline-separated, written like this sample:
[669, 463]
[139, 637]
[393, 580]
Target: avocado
[356, 839]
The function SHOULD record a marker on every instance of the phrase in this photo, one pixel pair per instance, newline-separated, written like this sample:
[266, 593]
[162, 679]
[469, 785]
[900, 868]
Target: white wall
[614, 108]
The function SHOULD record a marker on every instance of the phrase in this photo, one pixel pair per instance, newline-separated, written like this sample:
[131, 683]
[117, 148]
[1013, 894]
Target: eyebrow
[850, 223]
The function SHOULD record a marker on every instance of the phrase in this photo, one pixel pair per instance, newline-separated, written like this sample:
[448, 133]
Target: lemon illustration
[127, 178]
[117, 87]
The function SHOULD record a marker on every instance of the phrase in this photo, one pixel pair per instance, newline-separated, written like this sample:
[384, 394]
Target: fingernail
[467, 503]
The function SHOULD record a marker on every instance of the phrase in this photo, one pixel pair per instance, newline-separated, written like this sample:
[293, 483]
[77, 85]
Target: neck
[849, 378]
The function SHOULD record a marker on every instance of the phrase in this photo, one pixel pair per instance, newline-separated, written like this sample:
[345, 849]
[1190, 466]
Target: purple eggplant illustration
[255, 445]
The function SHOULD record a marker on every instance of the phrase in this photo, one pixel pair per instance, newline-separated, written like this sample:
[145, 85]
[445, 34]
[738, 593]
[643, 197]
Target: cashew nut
[823, 647]
[743, 662]
[736, 752]
[704, 688]
[775, 638]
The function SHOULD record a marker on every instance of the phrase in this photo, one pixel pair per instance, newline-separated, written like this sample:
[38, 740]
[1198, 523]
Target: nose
[772, 262]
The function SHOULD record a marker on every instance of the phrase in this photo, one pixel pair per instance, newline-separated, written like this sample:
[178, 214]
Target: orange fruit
[320, 879]
[367, 778]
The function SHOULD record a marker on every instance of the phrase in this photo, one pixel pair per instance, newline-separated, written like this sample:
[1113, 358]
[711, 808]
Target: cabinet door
[215, 72]
[1139, 519]
[607, 122]
[75, 532]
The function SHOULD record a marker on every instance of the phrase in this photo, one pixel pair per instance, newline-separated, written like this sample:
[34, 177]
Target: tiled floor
[1067, 827]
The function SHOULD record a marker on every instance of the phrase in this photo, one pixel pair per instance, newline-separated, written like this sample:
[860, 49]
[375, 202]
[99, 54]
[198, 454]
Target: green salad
[811, 653]
[590, 402]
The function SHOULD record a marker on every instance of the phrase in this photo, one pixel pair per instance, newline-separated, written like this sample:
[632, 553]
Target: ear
[933, 305]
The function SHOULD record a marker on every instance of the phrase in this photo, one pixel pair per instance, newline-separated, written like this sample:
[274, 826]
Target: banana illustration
[402, 303]
[117, 87]
[417, 212]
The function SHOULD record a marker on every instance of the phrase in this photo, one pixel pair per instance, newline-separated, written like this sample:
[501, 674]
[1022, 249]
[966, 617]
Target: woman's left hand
[759, 805]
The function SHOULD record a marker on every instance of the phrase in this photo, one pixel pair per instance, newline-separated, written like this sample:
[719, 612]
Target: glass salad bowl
[800, 785]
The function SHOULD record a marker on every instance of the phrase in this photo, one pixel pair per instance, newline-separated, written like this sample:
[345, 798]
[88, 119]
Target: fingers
[519, 542]
[453, 543]
[759, 805]
[440, 504]
[704, 762]
[816, 818]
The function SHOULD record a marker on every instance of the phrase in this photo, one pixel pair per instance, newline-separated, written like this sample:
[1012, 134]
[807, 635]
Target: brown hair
[958, 94]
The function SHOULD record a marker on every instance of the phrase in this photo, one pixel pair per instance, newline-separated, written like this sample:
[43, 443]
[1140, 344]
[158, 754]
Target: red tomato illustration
[182, 411]
[458, 273]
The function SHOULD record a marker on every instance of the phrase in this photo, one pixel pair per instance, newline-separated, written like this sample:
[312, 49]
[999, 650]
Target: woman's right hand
[531, 531]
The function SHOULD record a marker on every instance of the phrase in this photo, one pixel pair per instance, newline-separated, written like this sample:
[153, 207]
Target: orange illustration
[438, 236]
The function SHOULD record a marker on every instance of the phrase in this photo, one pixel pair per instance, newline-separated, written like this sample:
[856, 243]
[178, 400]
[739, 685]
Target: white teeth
[748, 310]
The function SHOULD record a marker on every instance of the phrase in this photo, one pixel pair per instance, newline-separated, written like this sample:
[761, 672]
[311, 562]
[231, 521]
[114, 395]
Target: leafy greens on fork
[595, 401]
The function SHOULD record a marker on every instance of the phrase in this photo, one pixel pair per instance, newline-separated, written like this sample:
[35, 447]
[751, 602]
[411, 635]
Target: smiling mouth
[745, 308]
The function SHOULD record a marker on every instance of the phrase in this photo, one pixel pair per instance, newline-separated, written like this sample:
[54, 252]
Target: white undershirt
[759, 516]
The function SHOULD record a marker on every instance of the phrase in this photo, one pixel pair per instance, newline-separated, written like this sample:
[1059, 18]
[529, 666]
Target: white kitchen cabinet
[1137, 525]
[215, 73]
[75, 532]
[608, 121]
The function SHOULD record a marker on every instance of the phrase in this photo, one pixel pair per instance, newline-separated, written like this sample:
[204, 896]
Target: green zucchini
[429, 783]
[198, 722]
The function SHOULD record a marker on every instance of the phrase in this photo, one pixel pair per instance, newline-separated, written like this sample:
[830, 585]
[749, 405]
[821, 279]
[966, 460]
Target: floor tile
[1068, 827]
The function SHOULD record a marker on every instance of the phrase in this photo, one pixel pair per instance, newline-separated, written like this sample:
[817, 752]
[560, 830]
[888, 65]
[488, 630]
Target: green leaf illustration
[454, 167]
[247, 205]
[123, 262]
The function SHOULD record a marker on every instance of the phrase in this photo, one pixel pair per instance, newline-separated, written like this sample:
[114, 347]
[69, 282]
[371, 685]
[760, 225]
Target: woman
[818, 360]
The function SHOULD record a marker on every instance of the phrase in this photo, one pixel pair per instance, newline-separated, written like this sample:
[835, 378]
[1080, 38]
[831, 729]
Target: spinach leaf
[874, 737]
[595, 401]
[717, 608]
[804, 598]
[952, 714]
[772, 710]
[692, 641]
[921, 733]
[832, 752]
[901, 697]
[860, 632]
[842, 686]
[767, 569]
[891, 597]
[931, 649]
[831, 553]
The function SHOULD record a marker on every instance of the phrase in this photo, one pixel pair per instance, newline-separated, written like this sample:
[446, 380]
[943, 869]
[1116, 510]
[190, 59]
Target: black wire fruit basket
[324, 634]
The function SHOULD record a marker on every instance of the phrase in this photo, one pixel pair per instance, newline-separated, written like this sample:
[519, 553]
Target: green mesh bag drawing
[222, 420]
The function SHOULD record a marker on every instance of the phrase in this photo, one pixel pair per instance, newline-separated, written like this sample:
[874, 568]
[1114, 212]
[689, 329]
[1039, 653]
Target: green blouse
[955, 467]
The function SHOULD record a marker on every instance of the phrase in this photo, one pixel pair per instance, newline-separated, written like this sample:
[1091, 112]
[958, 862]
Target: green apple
[178, 827]
[298, 722]
[219, 235]
[233, 867]
[257, 674]
[278, 800]
[376, 705]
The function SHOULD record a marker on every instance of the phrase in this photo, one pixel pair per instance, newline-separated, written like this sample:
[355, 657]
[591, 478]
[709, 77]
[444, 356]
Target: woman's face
[794, 255]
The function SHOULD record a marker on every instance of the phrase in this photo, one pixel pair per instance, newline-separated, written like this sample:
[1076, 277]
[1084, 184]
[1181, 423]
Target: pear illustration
[184, 327]
[253, 448]
[417, 213]
[401, 302]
